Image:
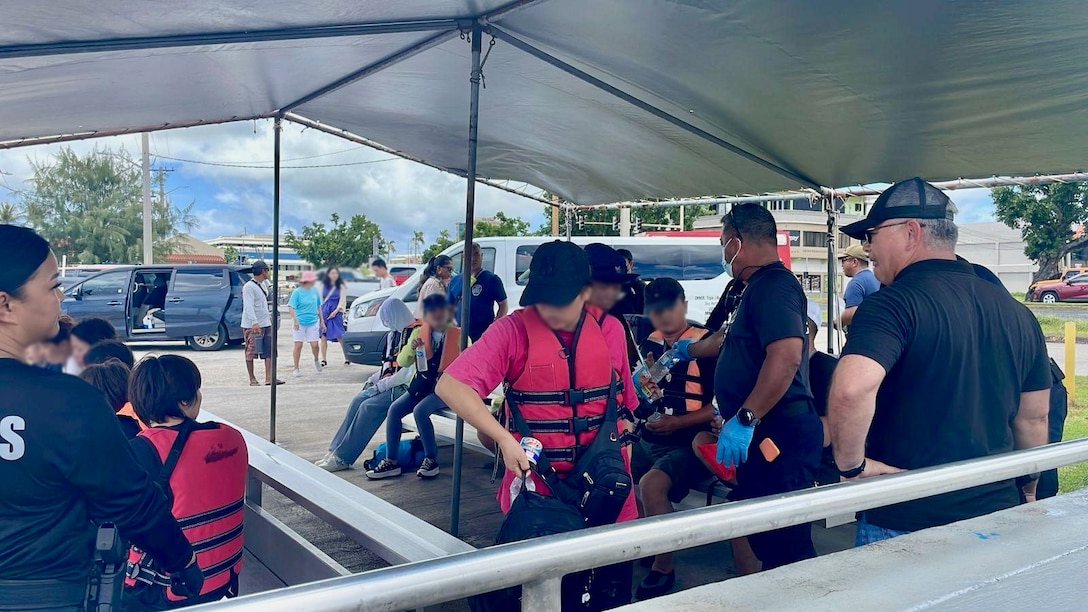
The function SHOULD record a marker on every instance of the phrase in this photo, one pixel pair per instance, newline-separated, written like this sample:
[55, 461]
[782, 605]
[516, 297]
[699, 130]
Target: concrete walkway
[1020, 559]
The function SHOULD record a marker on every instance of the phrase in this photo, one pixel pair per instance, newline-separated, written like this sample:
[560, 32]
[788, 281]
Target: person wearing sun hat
[534, 350]
[305, 305]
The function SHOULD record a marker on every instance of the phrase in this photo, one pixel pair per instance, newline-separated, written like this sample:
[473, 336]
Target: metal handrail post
[530, 562]
[542, 595]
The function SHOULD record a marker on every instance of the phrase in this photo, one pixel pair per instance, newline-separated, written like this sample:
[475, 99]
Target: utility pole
[375, 249]
[555, 215]
[148, 247]
[625, 222]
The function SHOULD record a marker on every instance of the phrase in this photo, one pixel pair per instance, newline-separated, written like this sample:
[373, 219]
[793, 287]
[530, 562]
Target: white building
[259, 246]
[1000, 248]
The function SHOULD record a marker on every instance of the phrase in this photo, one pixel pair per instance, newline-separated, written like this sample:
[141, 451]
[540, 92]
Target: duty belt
[568, 397]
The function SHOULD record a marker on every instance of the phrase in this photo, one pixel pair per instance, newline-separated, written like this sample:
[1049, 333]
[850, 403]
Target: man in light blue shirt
[863, 283]
[305, 304]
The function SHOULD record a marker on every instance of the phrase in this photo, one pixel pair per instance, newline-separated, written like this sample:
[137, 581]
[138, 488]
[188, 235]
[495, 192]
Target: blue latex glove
[733, 442]
[681, 347]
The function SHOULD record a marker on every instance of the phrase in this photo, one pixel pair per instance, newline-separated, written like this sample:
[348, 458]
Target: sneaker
[324, 458]
[318, 367]
[655, 584]
[334, 464]
[296, 373]
[385, 469]
[429, 468]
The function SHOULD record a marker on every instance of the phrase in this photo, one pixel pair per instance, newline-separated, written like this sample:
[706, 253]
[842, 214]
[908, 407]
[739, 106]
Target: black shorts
[679, 462]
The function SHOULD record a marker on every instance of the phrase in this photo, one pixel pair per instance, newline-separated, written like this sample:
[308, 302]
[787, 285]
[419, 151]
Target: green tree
[230, 254]
[416, 243]
[599, 222]
[1045, 216]
[500, 225]
[345, 243]
[443, 242]
[11, 214]
[90, 208]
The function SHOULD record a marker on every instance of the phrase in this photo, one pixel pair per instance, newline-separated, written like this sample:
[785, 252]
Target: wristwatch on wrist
[853, 472]
[747, 418]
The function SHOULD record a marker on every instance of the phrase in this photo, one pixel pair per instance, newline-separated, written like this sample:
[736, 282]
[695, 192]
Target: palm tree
[417, 241]
[11, 214]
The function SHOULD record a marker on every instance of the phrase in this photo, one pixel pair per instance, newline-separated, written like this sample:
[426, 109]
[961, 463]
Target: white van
[695, 262]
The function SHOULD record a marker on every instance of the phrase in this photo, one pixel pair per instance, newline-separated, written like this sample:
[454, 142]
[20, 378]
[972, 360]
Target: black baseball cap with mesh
[909, 199]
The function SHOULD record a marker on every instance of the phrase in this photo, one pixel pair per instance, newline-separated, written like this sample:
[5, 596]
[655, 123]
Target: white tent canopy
[597, 101]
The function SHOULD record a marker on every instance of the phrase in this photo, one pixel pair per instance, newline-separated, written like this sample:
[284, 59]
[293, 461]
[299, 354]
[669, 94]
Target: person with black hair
[771, 432]
[60, 442]
[111, 378]
[633, 300]
[334, 300]
[109, 349]
[436, 279]
[86, 334]
[203, 468]
[381, 272]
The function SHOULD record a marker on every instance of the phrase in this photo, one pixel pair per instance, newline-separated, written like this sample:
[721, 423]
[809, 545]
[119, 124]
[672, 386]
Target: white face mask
[727, 265]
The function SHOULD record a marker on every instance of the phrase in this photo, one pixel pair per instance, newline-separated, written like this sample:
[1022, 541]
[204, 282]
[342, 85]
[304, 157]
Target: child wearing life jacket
[431, 347]
[202, 469]
[560, 357]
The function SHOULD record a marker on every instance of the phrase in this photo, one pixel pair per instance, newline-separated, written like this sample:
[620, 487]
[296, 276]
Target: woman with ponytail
[436, 279]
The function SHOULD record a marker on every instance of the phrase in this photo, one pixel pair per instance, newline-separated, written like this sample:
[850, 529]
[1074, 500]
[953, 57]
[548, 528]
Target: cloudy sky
[401, 196]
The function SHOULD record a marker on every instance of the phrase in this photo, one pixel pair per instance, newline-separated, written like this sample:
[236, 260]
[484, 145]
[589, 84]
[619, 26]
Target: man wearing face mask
[771, 432]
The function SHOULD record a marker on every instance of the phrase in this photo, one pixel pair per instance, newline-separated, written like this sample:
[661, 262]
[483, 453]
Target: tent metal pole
[653, 110]
[277, 129]
[466, 261]
[831, 332]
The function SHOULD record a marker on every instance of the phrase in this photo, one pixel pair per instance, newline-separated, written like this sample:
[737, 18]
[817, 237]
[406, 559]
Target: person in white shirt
[381, 271]
[257, 324]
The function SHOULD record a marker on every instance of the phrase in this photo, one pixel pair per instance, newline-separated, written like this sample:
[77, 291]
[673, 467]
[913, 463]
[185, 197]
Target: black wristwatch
[855, 472]
[747, 418]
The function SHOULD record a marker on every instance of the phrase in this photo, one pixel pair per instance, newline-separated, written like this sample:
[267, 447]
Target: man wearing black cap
[940, 366]
[559, 356]
[257, 323]
[664, 462]
[633, 301]
[771, 431]
[608, 275]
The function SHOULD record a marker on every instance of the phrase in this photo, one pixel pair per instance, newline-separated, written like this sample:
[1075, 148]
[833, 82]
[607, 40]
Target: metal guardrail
[540, 564]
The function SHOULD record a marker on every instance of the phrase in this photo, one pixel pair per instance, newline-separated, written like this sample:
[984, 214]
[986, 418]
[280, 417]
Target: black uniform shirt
[65, 466]
[958, 352]
[772, 308]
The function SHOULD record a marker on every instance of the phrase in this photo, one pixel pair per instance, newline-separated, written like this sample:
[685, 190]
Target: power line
[261, 167]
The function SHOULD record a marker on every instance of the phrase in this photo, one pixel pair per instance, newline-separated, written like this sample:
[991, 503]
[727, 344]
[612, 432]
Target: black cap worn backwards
[663, 293]
[606, 265]
[909, 199]
[557, 274]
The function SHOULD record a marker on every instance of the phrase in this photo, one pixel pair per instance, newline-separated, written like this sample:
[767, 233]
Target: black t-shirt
[958, 352]
[821, 366]
[674, 389]
[772, 308]
[634, 299]
[66, 466]
[129, 426]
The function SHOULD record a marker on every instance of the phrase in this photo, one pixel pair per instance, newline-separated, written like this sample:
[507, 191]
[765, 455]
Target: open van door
[195, 306]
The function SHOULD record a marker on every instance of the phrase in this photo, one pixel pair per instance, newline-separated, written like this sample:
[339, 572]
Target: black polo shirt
[958, 352]
[772, 308]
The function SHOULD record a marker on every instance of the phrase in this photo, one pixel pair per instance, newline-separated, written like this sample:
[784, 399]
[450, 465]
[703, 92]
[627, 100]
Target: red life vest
[563, 391]
[207, 487]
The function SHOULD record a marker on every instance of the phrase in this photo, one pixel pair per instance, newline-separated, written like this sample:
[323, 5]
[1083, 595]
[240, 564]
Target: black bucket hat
[557, 274]
[909, 199]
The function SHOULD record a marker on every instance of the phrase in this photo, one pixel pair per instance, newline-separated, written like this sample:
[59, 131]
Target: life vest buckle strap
[575, 397]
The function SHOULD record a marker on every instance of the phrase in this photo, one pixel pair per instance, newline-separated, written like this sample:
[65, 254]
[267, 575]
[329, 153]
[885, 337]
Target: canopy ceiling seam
[650, 108]
[372, 68]
[135, 43]
[41, 140]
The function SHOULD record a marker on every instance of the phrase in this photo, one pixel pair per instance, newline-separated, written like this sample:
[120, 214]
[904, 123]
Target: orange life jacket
[451, 345]
[683, 386]
[563, 391]
[129, 411]
[207, 484]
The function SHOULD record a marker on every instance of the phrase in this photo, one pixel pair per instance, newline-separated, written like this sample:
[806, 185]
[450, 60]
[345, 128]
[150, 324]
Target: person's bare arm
[504, 308]
[464, 401]
[851, 404]
[1029, 427]
[848, 315]
[709, 346]
[775, 376]
[669, 423]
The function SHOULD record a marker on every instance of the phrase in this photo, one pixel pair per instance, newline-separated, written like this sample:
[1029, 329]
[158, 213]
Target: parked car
[695, 262]
[201, 304]
[1073, 289]
[402, 272]
[1067, 274]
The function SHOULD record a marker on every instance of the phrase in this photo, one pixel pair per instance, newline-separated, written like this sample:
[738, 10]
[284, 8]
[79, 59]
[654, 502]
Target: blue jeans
[422, 411]
[869, 533]
[361, 422]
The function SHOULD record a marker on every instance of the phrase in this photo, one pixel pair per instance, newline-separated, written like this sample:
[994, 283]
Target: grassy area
[1072, 477]
[1054, 327]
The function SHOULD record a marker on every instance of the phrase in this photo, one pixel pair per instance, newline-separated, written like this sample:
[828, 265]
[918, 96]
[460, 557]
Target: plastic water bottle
[533, 448]
[657, 372]
[421, 360]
